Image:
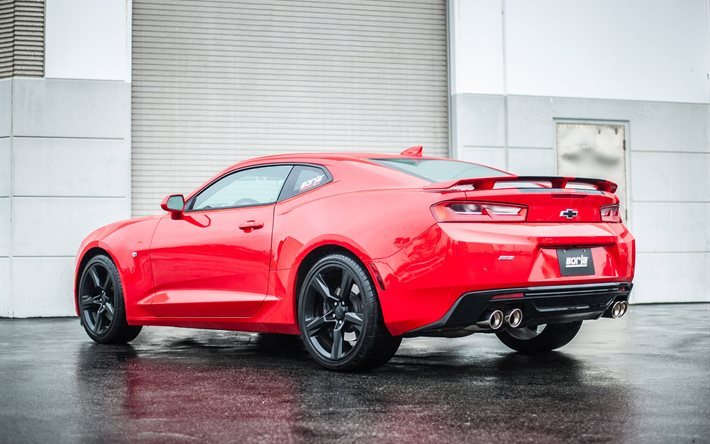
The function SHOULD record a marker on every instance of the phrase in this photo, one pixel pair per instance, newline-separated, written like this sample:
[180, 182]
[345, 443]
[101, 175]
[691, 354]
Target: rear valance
[489, 183]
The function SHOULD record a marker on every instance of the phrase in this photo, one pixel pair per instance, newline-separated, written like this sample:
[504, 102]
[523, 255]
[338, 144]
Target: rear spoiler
[488, 183]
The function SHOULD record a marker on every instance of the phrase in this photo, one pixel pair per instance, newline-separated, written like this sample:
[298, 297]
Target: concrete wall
[511, 73]
[5, 184]
[88, 39]
[65, 154]
[66, 171]
[655, 50]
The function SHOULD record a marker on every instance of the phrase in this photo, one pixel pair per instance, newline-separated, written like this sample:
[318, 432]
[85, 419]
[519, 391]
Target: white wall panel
[481, 121]
[670, 127]
[87, 39]
[478, 42]
[671, 227]
[54, 298]
[5, 223]
[55, 226]
[672, 277]
[218, 82]
[531, 121]
[69, 138]
[72, 167]
[670, 177]
[5, 287]
[532, 161]
[635, 49]
[5, 166]
[70, 108]
[5, 192]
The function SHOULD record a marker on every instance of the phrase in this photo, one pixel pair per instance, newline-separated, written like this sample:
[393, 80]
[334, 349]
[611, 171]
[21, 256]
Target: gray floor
[644, 378]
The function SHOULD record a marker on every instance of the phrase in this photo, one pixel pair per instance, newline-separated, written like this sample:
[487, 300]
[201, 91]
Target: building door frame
[628, 217]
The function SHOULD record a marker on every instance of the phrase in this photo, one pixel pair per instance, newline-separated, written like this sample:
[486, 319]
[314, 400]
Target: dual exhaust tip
[514, 318]
[618, 309]
[496, 319]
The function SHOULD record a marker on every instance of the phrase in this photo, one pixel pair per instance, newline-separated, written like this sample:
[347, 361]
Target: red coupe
[355, 251]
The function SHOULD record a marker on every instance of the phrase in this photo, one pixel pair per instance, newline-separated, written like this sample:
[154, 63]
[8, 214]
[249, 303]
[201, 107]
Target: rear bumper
[540, 305]
[426, 279]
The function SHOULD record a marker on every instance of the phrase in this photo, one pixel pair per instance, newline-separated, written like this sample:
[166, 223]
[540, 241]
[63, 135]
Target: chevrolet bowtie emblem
[569, 213]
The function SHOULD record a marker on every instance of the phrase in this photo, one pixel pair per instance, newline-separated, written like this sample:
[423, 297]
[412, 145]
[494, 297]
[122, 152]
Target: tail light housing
[610, 213]
[464, 211]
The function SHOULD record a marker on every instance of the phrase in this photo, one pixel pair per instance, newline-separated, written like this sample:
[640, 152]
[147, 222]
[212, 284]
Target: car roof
[333, 156]
[328, 158]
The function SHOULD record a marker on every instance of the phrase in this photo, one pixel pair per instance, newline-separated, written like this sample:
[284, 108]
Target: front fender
[127, 243]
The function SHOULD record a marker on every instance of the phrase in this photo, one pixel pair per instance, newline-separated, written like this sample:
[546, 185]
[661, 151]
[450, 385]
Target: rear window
[438, 170]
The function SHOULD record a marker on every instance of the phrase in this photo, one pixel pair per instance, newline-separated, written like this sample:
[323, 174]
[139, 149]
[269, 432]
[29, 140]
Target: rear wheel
[101, 307]
[538, 339]
[340, 317]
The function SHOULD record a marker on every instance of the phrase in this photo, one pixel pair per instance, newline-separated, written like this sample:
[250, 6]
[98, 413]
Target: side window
[304, 178]
[254, 186]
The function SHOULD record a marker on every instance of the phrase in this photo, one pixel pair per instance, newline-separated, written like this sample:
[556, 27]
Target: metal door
[593, 150]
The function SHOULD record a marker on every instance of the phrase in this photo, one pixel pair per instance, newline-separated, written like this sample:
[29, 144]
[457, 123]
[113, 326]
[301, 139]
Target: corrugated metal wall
[21, 38]
[215, 82]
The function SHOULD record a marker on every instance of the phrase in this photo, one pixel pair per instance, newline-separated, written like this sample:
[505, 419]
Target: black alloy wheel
[333, 312]
[340, 317]
[100, 297]
[97, 298]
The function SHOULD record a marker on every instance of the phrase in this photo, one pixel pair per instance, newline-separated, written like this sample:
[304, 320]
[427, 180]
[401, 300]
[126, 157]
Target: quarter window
[253, 186]
[302, 179]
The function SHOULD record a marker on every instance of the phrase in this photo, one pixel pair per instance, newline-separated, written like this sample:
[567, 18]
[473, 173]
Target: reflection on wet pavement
[641, 378]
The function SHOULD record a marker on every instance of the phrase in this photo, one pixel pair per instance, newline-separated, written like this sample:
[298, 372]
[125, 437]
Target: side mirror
[173, 204]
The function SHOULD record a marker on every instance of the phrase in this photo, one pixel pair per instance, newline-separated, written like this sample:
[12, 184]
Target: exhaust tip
[514, 317]
[619, 309]
[496, 319]
[492, 321]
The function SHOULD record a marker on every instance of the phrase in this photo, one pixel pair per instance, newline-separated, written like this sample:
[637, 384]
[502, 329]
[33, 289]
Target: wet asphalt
[644, 378]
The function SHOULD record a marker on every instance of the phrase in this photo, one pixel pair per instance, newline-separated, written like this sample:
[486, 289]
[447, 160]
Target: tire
[101, 306]
[552, 337]
[362, 341]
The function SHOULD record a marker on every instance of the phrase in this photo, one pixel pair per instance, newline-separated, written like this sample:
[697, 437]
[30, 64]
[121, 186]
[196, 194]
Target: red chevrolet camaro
[355, 251]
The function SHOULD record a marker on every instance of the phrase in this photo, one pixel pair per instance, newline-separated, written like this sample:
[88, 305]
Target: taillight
[610, 213]
[478, 212]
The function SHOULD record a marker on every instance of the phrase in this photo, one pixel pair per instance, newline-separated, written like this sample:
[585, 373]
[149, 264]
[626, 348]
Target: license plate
[575, 261]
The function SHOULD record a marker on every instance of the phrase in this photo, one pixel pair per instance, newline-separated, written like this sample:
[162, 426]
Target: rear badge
[575, 262]
[505, 258]
[569, 213]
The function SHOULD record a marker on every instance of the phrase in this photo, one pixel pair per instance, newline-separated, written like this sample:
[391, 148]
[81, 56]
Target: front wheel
[539, 339]
[340, 317]
[101, 306]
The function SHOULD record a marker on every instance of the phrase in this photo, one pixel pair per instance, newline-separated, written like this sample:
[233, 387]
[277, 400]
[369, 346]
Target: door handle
[251, 225]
